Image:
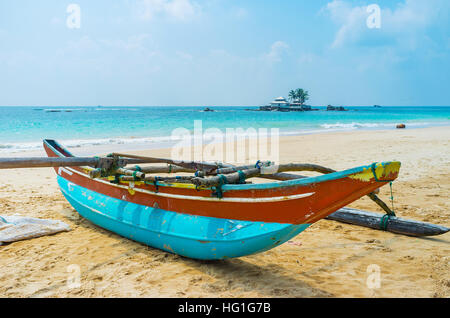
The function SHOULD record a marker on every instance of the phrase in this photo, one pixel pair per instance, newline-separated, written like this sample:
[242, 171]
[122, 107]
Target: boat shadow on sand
[239, 276]
[230, 277]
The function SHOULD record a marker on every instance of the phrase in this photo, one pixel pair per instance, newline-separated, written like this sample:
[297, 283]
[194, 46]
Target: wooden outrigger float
[216, 213]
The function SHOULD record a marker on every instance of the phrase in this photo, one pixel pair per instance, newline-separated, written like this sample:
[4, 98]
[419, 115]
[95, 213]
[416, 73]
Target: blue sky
[224, 52]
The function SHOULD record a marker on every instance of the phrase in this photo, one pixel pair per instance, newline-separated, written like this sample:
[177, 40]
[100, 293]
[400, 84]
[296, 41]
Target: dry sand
[329, 259]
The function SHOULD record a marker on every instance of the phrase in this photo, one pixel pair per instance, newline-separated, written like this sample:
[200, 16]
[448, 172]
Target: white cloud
[276, 51]
[182, 10]
[402, 24]
[351, 19]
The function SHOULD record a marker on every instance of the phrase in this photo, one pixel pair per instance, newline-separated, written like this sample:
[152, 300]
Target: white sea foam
[167, 141]
[80, 143]
[356, 125]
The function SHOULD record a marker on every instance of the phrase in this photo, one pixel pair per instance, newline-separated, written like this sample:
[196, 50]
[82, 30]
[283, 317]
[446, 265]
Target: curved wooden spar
[188, 165]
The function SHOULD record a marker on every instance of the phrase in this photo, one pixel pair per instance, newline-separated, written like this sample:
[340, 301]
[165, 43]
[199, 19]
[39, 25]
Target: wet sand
[329, 259]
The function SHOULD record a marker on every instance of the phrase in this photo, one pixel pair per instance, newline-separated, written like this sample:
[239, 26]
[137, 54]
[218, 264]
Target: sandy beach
[329, 259]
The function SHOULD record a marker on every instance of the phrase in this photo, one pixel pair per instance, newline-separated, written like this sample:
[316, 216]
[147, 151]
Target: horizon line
[217, 105]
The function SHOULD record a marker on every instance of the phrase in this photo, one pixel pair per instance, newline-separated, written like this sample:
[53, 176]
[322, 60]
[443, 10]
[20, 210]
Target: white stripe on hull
[197, 198]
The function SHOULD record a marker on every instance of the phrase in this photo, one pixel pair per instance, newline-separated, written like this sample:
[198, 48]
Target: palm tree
[292, 95]
[299, 94]
[304, 97]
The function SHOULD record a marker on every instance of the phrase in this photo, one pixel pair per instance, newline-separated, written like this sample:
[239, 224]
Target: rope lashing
[241, 177]
[116, 179]
[384, 222]
[392, 199]
[373, 168]
[385, 219]
[170, 168]
[155, 183]
[223, 179]
[218, 190]
[106, 172]
[136, 170]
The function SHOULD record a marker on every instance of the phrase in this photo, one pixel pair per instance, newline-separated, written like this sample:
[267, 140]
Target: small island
[296, 103]
[336, 108]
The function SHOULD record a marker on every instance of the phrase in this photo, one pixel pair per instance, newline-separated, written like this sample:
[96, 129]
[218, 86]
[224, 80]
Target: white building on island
[281, 104]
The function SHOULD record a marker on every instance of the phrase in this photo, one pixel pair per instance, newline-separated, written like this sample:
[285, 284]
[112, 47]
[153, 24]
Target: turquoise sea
[23, 128]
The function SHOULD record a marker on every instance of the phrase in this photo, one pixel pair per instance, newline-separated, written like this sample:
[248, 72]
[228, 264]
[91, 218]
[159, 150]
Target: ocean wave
[79, 143]
[357, 125]
[208, 136]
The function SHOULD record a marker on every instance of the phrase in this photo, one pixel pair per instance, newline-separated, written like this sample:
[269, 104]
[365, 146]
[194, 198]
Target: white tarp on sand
[15, 228]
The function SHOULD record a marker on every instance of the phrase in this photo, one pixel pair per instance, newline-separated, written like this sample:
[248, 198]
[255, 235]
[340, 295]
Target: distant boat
[377, 106]
[207, 109]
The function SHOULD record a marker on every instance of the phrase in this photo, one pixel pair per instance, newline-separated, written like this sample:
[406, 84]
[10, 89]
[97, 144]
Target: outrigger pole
[109, 162]
[95, 162]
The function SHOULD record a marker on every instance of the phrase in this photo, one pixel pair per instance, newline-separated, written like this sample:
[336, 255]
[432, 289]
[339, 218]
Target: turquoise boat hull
[198, 237]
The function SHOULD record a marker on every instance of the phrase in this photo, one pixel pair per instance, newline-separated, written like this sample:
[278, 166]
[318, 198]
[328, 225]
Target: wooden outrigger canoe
[197, 223]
